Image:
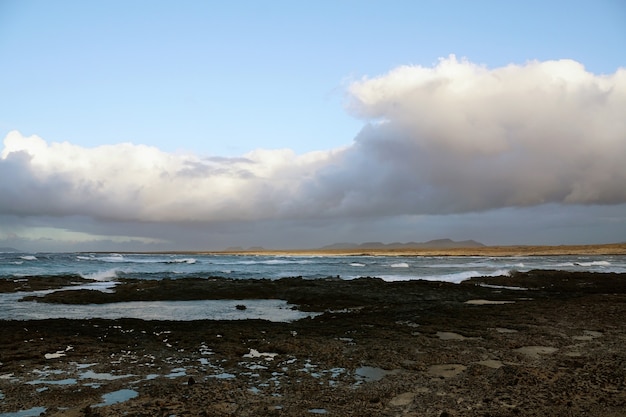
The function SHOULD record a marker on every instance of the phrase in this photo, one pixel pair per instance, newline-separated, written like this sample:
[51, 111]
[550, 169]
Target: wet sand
[535, 344]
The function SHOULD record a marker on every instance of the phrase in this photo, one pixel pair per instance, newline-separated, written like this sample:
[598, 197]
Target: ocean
[104, 271]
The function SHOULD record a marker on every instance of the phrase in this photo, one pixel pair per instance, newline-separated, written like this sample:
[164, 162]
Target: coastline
[515, 250]
[533, 344]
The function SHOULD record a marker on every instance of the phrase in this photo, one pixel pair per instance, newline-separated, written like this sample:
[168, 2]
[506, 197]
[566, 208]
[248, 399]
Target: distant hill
[7, 249]
[431, 244]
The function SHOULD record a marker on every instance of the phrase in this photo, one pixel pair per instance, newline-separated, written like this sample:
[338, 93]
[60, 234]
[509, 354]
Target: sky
[193, 125]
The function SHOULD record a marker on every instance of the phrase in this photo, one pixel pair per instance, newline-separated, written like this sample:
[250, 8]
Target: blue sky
[224, 79]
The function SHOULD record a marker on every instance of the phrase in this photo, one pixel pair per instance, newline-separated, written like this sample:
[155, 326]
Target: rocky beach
[538, 343]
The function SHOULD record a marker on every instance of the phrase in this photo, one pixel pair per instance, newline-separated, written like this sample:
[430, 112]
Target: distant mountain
[7, 249]
[431, 244]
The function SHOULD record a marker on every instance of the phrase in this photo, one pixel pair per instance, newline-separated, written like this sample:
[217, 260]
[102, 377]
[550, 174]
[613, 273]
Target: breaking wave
[593, 263]
[108, 275]
[453, 278]
[117, 258]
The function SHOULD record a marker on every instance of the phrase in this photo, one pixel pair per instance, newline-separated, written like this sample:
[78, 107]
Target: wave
[28, 257]
[593, 263]
[400, 265]
[454, 278]
[357, 264]
[182, 261]
[117, 258]
[108, 275]
[114, 258]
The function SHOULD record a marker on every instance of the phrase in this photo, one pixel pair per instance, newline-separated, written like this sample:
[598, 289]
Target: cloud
[126, 182]
[460, 137]
[453, 138]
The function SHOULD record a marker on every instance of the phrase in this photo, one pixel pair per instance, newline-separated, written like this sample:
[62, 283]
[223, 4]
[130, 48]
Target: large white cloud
[461, 137]
[452, 138]
[136, 182]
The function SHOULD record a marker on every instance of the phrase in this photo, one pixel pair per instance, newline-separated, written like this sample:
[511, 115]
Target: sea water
[104, 270]
[106, 267]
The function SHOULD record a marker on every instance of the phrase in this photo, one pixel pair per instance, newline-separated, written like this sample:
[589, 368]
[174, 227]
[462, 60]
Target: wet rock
[560, 352]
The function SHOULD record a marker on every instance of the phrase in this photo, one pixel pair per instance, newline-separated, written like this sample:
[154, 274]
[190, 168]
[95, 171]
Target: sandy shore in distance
[606, 249]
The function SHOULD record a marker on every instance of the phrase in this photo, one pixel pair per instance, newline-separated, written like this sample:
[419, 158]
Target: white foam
[108, 275]
[594, 263]
[183, 261]
[453, 278]
[400, 265]
[116, 257]
[28, 257]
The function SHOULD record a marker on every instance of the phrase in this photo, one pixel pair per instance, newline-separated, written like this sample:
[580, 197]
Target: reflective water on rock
[117, 397]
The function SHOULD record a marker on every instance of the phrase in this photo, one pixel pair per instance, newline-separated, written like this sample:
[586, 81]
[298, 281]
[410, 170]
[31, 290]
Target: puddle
[176, 373]
[372, 374]
[68, 381]
[491, 363]
[32, 412]
[264, 309]
[448, 370]
[449, 336]
[505, 330]
[102, 376]
[317, 411]
[535, 351]
[587, 336]
[117, 397]
[223, 375]
[402, 400]
[84, 365]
